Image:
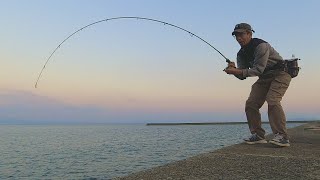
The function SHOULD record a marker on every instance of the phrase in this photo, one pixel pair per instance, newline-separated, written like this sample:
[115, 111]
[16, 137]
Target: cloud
[27, 107]
[23, 107]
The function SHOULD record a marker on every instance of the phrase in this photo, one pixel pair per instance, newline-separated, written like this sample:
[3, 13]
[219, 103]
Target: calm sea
[105, 151]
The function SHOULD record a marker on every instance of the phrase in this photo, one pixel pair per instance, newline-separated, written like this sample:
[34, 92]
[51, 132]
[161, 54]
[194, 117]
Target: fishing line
[117, 18]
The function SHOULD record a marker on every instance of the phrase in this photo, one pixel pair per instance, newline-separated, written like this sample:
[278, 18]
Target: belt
[279, 66]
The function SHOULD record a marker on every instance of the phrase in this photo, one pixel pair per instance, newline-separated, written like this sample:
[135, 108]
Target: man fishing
[257, 58]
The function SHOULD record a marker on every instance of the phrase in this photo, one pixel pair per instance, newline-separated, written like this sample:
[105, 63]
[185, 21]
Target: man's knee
[273, 101]
[250, 104]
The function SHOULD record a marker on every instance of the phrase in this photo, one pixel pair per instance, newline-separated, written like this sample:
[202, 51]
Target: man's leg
[276, 114]
[255, 101]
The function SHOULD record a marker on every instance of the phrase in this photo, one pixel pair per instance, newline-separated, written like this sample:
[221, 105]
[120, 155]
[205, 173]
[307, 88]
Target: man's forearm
[234, 71]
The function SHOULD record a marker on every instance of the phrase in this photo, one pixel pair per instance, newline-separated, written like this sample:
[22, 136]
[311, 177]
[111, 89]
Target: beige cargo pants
[270, 88]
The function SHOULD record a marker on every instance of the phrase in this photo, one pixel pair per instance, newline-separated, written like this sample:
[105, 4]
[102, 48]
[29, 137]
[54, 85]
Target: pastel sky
[140, 71]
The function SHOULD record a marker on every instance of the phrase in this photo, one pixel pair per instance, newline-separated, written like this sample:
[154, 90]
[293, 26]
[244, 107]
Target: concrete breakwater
[241, 161]
[215, 123]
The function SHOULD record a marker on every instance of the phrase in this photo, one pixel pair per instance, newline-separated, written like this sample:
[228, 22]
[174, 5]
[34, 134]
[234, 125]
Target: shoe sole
[257, 142]
[279, 144]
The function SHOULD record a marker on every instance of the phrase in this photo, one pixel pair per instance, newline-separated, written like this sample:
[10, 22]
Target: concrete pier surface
[242, 161]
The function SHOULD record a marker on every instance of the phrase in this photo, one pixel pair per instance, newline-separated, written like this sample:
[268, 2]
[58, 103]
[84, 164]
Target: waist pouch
[288, 65]
[291, 67]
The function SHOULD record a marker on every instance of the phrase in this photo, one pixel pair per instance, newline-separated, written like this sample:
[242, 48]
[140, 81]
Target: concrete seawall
[241, 161]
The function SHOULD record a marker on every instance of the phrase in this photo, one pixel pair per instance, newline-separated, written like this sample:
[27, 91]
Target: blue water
[105, 151]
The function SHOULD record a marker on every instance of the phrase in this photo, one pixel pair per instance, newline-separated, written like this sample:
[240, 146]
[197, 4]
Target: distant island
[216, 123]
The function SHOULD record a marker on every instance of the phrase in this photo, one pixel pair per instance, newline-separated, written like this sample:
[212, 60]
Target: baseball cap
[242, 27]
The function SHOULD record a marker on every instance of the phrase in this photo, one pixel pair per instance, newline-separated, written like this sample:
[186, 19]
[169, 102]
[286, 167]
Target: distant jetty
[215, 123]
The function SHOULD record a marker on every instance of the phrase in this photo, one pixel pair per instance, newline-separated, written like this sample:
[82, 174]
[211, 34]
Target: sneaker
[255, 139]
[279, 140]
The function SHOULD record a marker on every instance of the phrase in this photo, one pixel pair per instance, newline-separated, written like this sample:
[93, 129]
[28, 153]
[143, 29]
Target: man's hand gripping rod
[230, 64]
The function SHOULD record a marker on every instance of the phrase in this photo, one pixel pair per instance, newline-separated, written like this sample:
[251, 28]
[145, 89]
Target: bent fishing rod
[118, 18]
